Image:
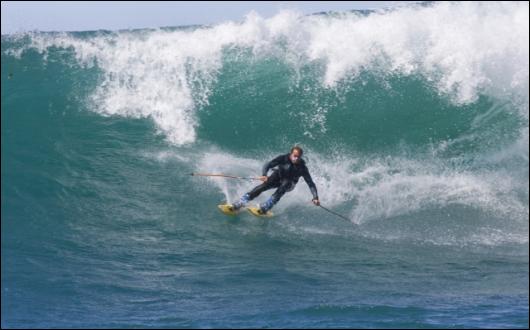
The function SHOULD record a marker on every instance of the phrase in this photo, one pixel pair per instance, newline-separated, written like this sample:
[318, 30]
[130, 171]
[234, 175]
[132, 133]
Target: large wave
[463, 50]
[405, 111]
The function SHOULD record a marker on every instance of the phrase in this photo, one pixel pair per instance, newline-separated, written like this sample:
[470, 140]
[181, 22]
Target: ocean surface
[414, 123]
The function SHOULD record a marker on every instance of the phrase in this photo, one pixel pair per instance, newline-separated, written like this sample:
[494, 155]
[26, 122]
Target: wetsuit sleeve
[310, 183]
[276, 161]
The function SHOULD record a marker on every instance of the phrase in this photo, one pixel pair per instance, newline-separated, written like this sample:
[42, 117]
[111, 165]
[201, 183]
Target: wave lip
[463, 50]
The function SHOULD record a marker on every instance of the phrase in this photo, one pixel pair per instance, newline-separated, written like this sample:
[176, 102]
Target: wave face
[414, 123]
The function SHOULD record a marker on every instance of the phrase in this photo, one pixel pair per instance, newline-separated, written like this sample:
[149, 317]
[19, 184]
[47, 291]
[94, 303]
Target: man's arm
[271, 164]
[311, 184]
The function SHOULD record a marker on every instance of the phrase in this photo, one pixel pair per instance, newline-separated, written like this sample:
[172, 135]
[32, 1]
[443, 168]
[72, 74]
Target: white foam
[400, 194]
[216, 161]
[464, 48]
[385, 189]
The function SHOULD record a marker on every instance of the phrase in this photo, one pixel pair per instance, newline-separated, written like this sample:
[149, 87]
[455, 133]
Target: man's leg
[269, 184]
[285, 186]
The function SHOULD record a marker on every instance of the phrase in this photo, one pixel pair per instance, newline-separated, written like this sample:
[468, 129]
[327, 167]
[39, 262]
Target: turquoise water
[416, 132]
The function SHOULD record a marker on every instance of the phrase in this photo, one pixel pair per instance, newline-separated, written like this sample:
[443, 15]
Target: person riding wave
[287, 169]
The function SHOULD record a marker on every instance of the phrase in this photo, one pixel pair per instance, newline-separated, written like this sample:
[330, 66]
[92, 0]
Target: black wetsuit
[284, 177]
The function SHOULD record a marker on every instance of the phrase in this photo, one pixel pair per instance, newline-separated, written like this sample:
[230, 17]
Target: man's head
[296, 154]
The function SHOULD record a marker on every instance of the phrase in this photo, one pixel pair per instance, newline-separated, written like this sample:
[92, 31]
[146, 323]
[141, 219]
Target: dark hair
[299, 150]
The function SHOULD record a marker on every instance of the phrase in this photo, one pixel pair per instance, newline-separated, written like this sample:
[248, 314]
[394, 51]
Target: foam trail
[378, 190]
